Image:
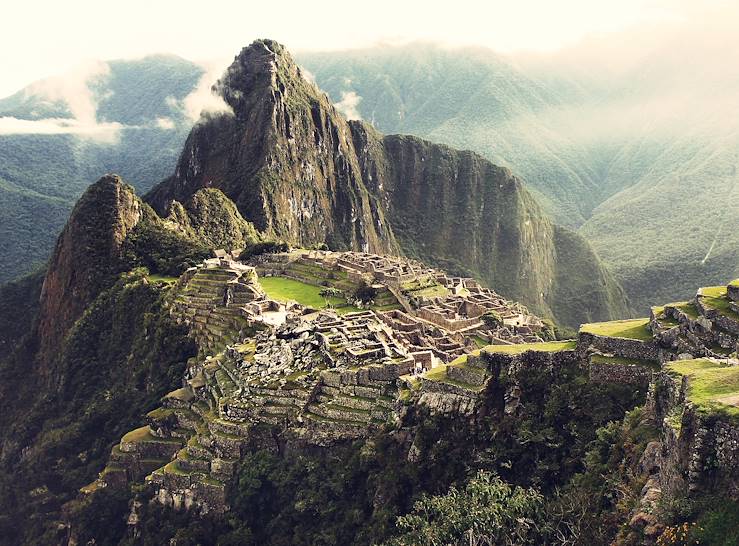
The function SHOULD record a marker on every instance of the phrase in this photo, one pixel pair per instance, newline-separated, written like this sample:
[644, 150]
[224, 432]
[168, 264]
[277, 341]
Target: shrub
[331, 293]
[492, 319]
[486, 511]
[265, 247]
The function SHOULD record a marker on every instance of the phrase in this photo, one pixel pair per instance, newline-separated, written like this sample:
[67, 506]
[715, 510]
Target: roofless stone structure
[329, 373]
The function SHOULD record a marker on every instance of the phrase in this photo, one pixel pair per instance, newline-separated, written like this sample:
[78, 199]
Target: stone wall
[699, 449]
[615, 372]
[717, 318]
[517, 364]
[446, 398]
[732, 291]
[627, 348]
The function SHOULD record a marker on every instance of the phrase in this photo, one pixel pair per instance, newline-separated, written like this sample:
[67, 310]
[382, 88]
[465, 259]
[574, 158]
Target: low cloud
[203, 100]
[348, 105]
[103, 132]
[75, 90]
[165, 123]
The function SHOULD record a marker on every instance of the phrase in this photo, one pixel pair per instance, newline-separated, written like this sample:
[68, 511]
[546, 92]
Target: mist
[73, 91]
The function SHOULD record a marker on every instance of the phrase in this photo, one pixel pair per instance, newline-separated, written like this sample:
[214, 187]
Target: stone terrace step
[341, 413]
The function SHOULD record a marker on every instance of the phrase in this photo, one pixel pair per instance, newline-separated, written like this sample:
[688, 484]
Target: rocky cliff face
[87, 253]
[111, 230]
[456, 209]
[285, 157]
[299, 171]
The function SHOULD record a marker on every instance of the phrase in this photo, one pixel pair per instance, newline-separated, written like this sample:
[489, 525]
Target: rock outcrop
[86, 255]
[111, 230]
[285, 157]
[302, 173]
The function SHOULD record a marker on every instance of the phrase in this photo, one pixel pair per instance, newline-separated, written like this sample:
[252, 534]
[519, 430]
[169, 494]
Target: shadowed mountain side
[300, 172]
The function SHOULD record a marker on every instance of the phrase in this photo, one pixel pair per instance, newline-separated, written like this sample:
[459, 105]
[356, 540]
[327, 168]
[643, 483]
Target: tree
[365, 293]
[492, 319]
[486, 512]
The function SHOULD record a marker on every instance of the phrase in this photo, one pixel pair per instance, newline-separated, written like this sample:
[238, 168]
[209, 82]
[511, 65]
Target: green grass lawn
[138, 435]
[144, 434]
[628, 329]
[161, 278]
[544, 347]
[433, 291]
[600, 359]
[686, 307]
[712, 385]
[284, 289]
[480, 342]
[714, 297]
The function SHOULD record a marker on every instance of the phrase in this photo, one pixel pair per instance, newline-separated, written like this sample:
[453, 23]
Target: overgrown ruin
[277, 371]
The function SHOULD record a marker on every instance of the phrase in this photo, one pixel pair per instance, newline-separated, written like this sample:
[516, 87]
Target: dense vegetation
[119, 359]
[160, 249]
[355, 492]
[20, 300]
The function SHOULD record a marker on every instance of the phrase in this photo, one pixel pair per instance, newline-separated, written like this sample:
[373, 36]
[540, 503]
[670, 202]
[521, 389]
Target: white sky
[43, 38]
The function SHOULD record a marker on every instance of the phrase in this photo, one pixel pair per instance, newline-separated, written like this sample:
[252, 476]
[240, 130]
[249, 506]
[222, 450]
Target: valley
[311, 332]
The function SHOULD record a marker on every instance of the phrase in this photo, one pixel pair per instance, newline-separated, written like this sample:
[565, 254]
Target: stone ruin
[445, 311]
[319, 377]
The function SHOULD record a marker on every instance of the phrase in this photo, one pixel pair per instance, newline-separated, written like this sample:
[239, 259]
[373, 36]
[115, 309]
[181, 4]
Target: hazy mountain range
[57, 135]
[638, 155]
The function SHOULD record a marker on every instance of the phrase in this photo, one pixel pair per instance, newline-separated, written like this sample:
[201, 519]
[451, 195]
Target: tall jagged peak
[85, 256]
[262, 69]
[287, 159]
[297, 170]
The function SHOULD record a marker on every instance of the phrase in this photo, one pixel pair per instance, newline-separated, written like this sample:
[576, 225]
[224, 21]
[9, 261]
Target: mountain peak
[260, 69]
[86, 256]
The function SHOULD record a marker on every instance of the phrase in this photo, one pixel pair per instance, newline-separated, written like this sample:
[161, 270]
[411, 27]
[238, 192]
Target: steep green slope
[299, 171]
[678, 227]
[121, 356]
[89, 346]
[41, 175]
[28, 219]
[471, 99]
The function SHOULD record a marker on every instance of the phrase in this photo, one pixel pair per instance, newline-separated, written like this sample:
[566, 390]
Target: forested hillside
[637, 153]
[55, 136]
